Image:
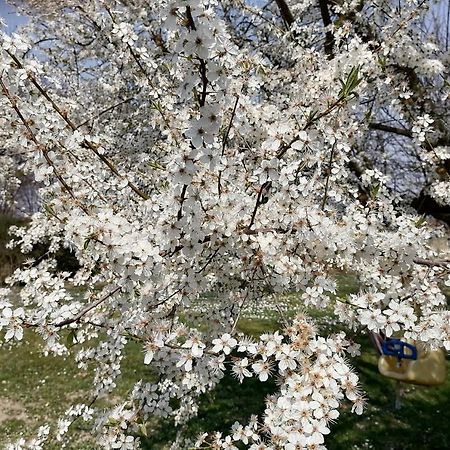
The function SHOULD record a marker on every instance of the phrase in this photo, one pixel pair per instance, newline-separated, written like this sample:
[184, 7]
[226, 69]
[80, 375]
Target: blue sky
[439, 9]
[12, 19]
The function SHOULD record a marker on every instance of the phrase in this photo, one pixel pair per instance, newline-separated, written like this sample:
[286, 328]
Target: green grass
[39, 388]
[420, 424]
[36, 389]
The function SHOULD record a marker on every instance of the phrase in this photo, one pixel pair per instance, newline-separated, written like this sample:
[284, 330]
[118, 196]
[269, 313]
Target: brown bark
[326, 19]
[285, 12]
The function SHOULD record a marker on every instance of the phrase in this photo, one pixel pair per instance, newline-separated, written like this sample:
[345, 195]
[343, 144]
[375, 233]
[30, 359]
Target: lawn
[35, 389]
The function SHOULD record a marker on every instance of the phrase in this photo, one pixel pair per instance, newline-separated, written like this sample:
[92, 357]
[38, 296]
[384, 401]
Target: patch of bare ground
[12, 410]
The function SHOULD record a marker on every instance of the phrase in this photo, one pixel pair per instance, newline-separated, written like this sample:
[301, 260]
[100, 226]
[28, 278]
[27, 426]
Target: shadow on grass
[229, 402]
[422, 422]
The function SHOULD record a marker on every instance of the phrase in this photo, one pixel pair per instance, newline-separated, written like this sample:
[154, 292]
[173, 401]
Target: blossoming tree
[228, 148]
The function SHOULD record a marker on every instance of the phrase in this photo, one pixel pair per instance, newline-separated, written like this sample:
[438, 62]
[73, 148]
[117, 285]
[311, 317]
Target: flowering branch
[88, 308]
[64, 116]
[330, 164]
[31, 136]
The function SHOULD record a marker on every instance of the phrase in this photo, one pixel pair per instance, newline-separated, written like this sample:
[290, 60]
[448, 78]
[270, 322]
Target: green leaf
[143, 429]
[312, 115]
[155, 165]
[49, 210]
[71, 338]
[374, 190]
[89, 239]
[421, 221]
[352, 82]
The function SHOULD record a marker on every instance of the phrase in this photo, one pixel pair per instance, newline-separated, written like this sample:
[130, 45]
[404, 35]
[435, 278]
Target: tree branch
[87, 309]
[203, 69]
[326, 19]
[107, 110]
[87, 144]
[264, 188]
[330, 164]
[433, 262]
[285, 12]
[182, 199]
[389, 129]
[32, 137]
[225, 141]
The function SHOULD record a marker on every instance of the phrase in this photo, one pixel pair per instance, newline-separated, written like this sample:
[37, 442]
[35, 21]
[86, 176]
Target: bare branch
[264, 188]
[326, 19]
[433, 262]
[389, 129]
[285, 12]
[182, 199]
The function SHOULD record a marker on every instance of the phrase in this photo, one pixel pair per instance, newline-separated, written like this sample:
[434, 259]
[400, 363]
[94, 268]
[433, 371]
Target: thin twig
[330, 163]
[150, 83]
[87, 309]
[208, 261]
[283, 149]
[263, 188]
[433, 262]
[204, 77]
[225, 142]
[227, 134]
[182, 199]
[87, 144]
[105, 111]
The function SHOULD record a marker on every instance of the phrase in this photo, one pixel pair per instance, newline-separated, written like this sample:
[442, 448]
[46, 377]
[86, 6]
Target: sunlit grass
[36, 389]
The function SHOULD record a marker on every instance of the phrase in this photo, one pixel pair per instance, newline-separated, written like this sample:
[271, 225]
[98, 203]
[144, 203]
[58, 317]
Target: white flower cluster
[9, 184]
[421, 127]
[441, 191]
[315, 378]
[201, 163]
